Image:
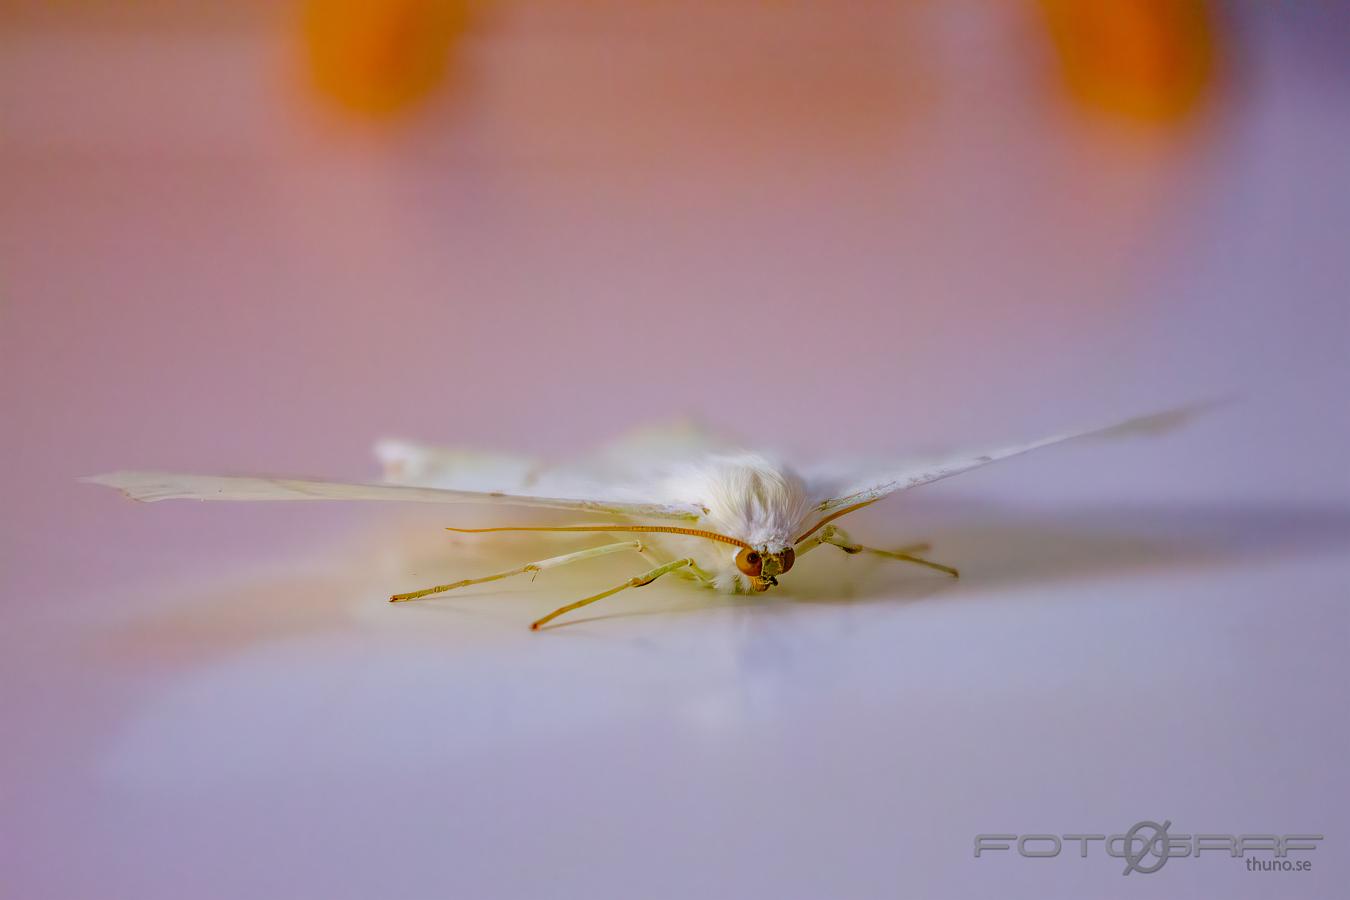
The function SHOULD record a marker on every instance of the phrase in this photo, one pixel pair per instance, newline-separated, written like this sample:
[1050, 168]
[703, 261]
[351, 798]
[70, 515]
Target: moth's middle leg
[534, 567]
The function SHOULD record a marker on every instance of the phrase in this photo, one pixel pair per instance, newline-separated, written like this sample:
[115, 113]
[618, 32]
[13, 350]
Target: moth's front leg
[692, 572]
[839, 538]
[636, 581]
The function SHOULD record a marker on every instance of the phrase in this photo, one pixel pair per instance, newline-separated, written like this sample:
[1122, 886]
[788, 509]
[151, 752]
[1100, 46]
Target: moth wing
[885, 480]
[150, 487]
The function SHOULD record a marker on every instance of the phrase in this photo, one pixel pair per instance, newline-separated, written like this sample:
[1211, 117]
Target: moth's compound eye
[749, 562]
[788, 556]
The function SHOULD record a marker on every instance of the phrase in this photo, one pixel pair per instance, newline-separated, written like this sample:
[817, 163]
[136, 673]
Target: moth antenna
[832, 516]
[640, 529]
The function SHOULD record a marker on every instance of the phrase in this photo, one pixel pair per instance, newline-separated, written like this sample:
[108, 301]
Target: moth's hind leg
[839, 538]
[535, 567]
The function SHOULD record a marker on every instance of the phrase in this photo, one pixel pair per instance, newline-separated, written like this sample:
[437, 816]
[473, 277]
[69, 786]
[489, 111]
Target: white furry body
[747, 496]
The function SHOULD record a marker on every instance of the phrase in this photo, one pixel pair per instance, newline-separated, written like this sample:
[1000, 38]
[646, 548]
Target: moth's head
[762, 567]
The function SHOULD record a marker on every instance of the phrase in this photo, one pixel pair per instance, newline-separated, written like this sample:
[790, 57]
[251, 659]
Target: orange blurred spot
[377, 57]
[1147, 60]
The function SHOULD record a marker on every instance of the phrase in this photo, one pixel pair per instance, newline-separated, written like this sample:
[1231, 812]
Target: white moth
[730, 520]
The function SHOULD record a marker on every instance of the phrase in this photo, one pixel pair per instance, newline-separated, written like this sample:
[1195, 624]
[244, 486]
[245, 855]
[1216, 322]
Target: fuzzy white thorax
[748, 497]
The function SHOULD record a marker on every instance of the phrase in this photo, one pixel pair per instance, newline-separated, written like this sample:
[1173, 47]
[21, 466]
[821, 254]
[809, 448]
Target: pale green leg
[814, 541]
[636, 581]
[534, 567]
[839, 538]
[693, 571]
[829, 535]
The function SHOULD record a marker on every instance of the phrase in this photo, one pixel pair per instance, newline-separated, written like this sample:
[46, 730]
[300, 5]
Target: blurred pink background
[256, 238]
